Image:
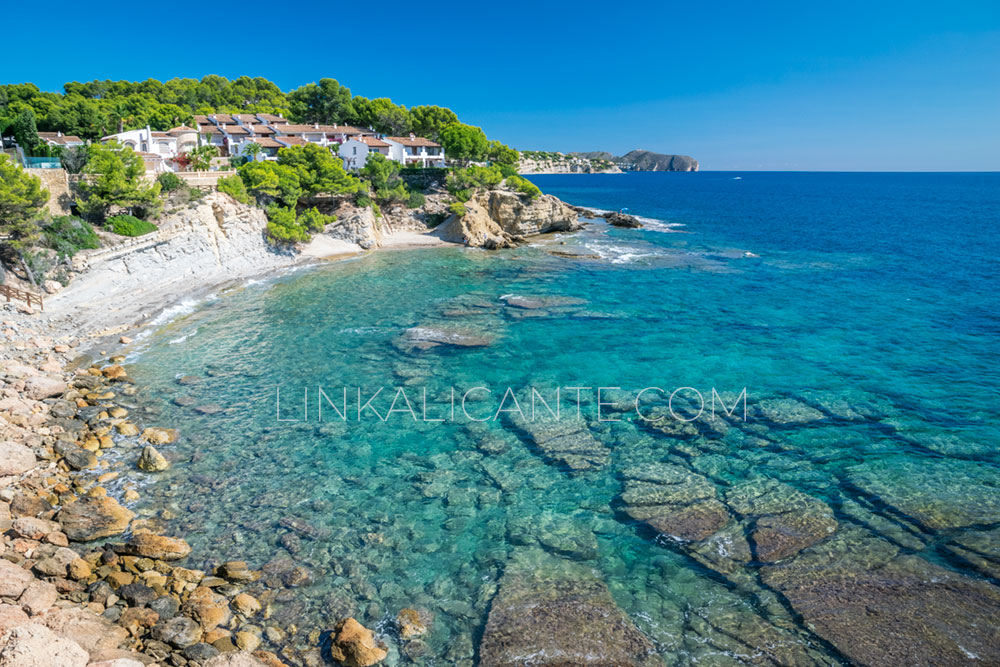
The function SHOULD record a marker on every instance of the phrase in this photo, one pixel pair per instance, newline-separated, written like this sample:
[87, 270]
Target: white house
[411, 149]
[355, 150]
[167, 145]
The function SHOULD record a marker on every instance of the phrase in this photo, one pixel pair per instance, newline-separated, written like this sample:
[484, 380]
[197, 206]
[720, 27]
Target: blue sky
[738, 85]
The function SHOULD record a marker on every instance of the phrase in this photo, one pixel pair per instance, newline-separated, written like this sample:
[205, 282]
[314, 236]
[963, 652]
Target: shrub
[313, 220]
[416, 200]
[169, 181]
[234, 187]
[471, 179]
[68, 235]
[457, 208]
[396, 194]
[362, 199]
[284, 227]
[523, 185]
[129, 225]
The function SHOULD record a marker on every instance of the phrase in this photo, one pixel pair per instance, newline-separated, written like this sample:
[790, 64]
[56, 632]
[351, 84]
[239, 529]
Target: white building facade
[356, 150]
[414, 149]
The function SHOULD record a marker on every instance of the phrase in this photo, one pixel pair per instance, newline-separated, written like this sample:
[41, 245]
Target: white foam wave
[619, 254]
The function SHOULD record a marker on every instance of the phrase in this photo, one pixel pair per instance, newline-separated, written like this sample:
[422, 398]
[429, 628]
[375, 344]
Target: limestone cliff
[503, 219]
[208, 243]
[559, 163]
[362, 226]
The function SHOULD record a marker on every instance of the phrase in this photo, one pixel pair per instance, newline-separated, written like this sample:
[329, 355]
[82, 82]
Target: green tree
[392, 119]
[271, 182]
[429, 120]
[380, 172]
[319, 172]
[463, 142]
[25, 131]
[22, 201]
[115, 179]
[501, 154]
[327, 102]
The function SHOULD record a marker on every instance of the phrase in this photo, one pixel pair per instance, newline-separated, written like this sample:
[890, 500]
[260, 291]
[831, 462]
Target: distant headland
[594, 162]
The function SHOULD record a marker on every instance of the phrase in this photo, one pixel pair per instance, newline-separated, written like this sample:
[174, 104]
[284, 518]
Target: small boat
[737, 178]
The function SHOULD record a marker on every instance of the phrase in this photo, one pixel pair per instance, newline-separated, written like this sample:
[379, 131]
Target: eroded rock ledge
[504, 219]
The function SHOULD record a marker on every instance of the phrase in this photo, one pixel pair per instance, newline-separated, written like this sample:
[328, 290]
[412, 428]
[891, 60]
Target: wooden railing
[12, 292]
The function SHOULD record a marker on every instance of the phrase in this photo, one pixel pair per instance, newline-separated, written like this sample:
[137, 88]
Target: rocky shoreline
[83, 579]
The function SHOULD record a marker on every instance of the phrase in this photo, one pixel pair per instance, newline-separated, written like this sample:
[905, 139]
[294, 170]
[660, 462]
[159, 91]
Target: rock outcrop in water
[504, 219]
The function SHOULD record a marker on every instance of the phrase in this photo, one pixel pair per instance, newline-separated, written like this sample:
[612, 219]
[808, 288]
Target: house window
[145, 147]
[355, 149]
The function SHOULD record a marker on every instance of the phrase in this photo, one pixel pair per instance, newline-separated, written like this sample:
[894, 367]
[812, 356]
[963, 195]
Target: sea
[393, 430]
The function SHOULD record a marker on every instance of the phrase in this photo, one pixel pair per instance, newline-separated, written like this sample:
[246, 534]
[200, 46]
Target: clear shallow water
[868, 297]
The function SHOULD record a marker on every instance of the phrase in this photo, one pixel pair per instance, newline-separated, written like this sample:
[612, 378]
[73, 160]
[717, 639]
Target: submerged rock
[427, 337]
[785, 411]
[541, 301]
[782, 520]
[569, 443]
[412, 623]
[94, 517]
[673, 501]
[981, 549]
[939, 493]
[554, 532]
[881, 608]
[549, 613]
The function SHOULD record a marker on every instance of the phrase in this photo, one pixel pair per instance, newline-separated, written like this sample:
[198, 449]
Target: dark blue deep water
[859, 312]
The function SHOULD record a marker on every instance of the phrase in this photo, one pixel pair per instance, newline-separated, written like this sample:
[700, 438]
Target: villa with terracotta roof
[414, 149]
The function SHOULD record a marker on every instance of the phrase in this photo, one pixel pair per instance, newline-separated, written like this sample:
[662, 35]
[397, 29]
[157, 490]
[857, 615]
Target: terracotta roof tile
[414, 141]
[266, 142]
[271, 118]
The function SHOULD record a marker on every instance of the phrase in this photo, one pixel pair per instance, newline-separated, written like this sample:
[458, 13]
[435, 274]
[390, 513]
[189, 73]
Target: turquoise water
[861, 307]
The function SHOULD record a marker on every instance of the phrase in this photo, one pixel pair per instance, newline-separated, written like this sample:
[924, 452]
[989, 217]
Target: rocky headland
[602, 162]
